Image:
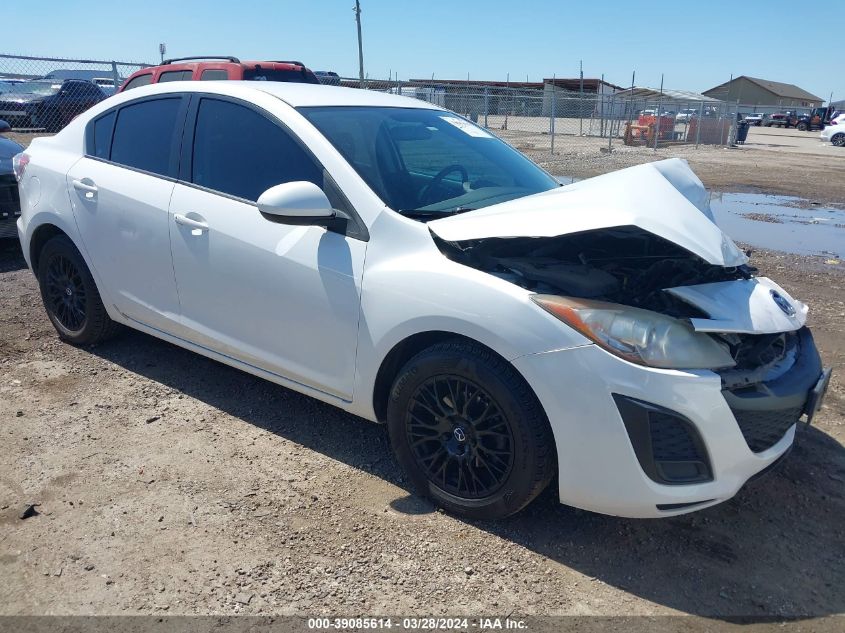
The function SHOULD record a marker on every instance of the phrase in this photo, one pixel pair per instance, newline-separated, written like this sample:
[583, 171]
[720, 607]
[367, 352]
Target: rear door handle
[87, 186]
[184, 220]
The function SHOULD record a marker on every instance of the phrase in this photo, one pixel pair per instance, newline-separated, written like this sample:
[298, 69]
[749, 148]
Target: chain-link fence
[44, 94]
[551, 118]
[41, 95]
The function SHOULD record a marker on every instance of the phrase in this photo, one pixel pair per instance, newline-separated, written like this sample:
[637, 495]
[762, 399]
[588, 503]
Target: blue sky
[697, 45]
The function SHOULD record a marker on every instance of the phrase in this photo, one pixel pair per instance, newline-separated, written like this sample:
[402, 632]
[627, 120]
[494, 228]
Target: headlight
[640, 336]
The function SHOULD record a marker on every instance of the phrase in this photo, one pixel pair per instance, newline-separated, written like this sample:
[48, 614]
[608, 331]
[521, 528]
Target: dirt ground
[773, 160]
[166, 483]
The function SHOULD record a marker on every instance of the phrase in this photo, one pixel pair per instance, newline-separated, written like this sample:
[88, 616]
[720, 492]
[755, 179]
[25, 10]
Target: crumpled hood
[744, 306]
[664, 198]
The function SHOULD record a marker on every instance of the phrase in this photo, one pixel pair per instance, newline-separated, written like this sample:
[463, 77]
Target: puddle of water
[566, 180]
[780, 223]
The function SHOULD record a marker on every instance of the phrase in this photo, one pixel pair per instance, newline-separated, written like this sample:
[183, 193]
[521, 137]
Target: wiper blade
[429, 213]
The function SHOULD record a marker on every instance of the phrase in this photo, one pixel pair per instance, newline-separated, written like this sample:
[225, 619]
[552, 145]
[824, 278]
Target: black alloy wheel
[459, 437]
[65, 291]
[469, 431]
[70, 294]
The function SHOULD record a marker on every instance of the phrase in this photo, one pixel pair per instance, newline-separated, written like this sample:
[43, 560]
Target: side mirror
[296, 203]
[4, 126]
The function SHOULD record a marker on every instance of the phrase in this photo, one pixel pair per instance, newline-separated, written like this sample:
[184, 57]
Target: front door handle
[87, 186]
[184, 220]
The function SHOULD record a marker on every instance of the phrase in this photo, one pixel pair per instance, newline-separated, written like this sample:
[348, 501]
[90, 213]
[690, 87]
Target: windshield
[36, 87]
[428, 163]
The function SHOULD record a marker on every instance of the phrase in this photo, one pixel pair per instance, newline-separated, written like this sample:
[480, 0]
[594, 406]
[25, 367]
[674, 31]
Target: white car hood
[664, 198]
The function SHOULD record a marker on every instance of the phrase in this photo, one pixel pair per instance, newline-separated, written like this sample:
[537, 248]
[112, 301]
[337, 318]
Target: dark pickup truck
[817, 119]
[782, 119]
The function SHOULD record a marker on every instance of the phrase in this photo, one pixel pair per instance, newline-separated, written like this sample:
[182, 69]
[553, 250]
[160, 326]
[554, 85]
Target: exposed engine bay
[630, 266]
[624, 265]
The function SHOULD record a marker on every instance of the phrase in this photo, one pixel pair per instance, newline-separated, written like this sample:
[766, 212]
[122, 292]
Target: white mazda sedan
[397, 261]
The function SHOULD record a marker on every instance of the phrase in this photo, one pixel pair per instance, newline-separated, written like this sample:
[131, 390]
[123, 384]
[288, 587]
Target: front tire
[70, 295]
[469, 432]
[838, 140]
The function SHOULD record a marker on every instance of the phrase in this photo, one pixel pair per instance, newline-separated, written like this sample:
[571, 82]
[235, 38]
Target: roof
[669, 95]
[294, 94]
[535, 85]
[78, 74]
[574, 83]
[786, 91]
[567, 83]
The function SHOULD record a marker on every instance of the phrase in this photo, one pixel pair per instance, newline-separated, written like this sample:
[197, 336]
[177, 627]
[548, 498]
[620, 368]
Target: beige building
[762, 92]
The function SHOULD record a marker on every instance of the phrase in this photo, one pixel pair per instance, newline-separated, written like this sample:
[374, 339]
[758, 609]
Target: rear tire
[838, 139]
[469, 432]
[70, 295]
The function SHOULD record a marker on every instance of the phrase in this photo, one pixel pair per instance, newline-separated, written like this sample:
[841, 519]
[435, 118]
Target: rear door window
[102, 136]
[144, 135]
[242, 153]
[214, 74]
[175, 75]
[141, 80]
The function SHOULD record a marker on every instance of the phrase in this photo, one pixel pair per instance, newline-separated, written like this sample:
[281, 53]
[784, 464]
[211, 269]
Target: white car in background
[393, 259]
[686, 115]
[106, 84]
[834, 132]
[755, 118]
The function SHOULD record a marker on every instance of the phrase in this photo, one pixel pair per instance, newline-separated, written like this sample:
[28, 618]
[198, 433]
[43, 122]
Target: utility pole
[360, 46]
[162, 49]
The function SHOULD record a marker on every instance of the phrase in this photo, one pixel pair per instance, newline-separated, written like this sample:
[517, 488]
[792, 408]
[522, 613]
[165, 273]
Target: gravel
[169, 482]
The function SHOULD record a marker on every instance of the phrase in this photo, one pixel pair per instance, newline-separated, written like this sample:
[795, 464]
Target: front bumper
[10, 205]
[599, 468]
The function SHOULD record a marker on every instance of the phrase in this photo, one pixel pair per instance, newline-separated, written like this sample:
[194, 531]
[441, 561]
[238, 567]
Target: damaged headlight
[640, 336]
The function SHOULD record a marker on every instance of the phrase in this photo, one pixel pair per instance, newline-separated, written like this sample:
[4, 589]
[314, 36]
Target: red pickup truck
[217, 68]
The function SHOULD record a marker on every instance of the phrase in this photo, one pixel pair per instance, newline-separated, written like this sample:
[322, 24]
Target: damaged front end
[665, 289]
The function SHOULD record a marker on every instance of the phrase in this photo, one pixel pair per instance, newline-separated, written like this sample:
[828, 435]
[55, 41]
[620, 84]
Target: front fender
[409, 287]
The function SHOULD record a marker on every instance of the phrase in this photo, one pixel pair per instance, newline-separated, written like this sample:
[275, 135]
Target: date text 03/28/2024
[416, 624]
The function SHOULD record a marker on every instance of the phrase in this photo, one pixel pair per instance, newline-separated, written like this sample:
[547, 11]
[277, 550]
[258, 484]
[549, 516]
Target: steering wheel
[425, 192]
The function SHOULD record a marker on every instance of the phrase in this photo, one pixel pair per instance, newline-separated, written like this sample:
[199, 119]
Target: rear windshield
[269, 74]
[35, 87]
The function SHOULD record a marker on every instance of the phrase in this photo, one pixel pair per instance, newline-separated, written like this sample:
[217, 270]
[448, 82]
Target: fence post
[115, 76]
[610, 127]
[581, 101]
[659, 117]
[486, 104]
[700, 123]
[553, 114]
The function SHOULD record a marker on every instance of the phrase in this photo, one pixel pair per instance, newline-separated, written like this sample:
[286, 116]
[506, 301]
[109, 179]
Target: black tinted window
[240, 152]
[271, 74]
[175, 75]
[143, 135]
[102, 135]
[213, 75]
[140, 80]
